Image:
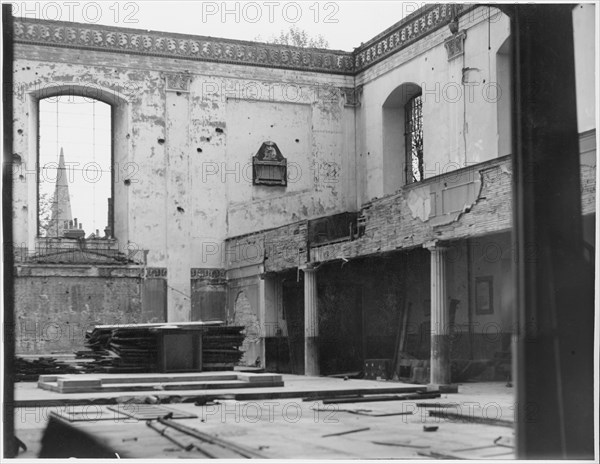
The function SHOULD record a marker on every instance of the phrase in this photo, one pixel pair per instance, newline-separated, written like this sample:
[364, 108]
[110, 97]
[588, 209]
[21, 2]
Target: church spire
[61, 203]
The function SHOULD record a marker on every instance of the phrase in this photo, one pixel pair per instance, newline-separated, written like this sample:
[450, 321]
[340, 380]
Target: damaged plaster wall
[169, 141]
[244, 301]
[459, 118]
[308, 129]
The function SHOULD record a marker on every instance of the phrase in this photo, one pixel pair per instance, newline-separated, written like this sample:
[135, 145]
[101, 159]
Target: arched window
[74, 168]
[402, 126]
[413, 136]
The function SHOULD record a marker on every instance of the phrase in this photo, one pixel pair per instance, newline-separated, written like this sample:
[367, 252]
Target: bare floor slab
[295, 428]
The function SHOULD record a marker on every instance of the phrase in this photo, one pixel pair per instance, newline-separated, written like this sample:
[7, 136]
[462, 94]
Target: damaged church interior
[282, 252]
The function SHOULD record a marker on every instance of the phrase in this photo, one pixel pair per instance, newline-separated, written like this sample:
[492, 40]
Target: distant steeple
[61, 203]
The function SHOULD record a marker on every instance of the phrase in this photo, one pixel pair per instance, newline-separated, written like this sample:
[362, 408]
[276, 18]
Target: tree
[45, 212]
[298, 38]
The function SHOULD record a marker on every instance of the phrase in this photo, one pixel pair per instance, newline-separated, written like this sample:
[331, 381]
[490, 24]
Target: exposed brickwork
[286, 247]
[280, 248]
[390, 225]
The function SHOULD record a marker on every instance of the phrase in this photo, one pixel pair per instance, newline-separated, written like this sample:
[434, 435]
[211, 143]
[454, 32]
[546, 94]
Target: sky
[345, 24]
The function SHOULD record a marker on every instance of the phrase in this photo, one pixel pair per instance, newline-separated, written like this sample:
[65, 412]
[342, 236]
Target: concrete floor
[292, 428]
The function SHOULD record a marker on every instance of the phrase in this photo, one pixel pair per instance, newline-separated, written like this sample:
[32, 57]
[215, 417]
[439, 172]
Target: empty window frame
[413, 130]
[74, 168]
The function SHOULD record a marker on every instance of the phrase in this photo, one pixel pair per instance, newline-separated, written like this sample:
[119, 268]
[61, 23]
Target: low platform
[87, 383]
[28, 394]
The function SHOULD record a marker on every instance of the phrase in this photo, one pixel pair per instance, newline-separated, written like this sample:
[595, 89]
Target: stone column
[311, 323]
[440, 343]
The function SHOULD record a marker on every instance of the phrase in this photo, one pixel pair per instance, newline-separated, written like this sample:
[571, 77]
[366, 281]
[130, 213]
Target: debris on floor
[337, 434]
[501, 448]
[28, 370]
[364, 399]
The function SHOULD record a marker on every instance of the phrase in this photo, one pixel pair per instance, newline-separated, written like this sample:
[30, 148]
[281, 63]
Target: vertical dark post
[7, 208]
[554, 358]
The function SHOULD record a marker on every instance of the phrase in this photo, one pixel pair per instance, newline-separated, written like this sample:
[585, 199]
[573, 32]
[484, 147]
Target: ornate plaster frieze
[171, 45]
[406, 32]
[209, 274]
[156, 272]
[134, 41]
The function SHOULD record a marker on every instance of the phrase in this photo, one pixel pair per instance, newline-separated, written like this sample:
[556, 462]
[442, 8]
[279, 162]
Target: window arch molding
[120, 148]
[395, 163]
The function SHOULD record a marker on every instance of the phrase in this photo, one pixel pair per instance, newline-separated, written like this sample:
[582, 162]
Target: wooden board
[105, 383]
[149, 411]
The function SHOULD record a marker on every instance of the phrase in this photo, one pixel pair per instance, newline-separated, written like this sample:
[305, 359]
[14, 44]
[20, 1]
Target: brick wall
[390, 223]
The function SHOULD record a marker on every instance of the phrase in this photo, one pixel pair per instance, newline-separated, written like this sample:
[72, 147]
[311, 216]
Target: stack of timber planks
[221, 347]
[120, 350]
[135, 349]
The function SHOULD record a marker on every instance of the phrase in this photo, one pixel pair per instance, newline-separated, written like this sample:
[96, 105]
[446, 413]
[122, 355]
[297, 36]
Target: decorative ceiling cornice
[407, 31]
[197, 48]
[137, 41]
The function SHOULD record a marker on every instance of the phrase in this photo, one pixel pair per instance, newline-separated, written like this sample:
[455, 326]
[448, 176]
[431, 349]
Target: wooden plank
[471, 418]
[381, 398]
[150, 411]
[399, 443]
[346, 432]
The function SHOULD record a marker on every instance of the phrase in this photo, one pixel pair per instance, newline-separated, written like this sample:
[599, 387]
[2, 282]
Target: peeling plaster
[419, 202]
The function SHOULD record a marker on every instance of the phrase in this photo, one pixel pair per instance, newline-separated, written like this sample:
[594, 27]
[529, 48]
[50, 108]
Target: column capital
[309, 268]
[435, 245]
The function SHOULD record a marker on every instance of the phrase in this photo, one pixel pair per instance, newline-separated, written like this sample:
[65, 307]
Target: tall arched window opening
[74, 168]
[413, 133]
[402, 126]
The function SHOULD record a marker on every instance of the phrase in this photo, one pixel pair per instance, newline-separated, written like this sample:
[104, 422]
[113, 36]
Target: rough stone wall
[52, 313]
